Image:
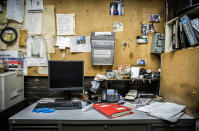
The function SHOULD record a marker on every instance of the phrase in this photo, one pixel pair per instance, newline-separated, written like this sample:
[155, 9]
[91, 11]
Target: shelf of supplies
[192, 13]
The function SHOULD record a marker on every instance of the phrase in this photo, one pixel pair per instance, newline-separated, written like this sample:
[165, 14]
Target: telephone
[131, 95]
[110, 95]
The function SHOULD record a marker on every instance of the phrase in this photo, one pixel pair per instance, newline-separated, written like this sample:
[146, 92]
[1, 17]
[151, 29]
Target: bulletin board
[94, 16]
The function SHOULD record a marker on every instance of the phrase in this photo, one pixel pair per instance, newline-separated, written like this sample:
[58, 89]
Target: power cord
[6, 29]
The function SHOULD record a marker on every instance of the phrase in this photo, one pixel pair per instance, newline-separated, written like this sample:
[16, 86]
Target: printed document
[34, 5]
[15, 10]
[80, 44]
[33, 23]
[167, 111]
[65, 24]
[63, 42]
[102, 53]
[36, 51]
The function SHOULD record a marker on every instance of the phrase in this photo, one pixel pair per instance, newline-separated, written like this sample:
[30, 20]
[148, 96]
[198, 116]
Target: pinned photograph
[118, 0]
[144, 29]
[117, 8]
[118, 27]
[81, 40]
[151, 27]
[141, 62]
[154, 18]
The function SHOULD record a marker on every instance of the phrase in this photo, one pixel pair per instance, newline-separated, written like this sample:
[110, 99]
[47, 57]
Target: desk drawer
[102, 127]
[34, 128]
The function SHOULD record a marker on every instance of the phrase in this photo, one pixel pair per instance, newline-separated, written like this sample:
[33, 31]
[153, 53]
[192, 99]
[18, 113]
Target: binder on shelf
[112, 110]
[183, 40]
[191, 36]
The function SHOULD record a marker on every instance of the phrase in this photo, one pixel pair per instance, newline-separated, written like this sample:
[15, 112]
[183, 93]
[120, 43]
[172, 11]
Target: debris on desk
[164, 110]
[86, 108]
[100, 77]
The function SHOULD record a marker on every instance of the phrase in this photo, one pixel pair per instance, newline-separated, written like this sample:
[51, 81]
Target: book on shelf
[112, 110]
[191, 36]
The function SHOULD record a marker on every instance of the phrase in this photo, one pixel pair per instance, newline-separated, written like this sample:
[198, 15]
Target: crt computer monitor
[65, 75]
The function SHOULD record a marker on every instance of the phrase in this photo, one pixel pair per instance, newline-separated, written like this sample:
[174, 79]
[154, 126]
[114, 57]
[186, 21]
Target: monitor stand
[67, 97]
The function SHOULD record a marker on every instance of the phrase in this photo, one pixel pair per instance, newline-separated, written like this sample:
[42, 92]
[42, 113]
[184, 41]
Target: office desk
[92, 120]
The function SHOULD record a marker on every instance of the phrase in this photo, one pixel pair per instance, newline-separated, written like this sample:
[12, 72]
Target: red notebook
[112, 110]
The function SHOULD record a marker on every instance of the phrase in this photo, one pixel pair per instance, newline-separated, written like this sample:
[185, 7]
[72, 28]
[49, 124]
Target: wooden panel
[93, 15]
[180, 73]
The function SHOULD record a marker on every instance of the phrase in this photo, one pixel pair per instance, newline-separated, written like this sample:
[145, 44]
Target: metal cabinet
[157, 45]
[102, 48]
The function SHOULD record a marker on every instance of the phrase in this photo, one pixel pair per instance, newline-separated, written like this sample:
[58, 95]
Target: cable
[8, 29]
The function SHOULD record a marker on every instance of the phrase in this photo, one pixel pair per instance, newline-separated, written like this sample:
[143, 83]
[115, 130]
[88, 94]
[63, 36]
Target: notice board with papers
[94, 16]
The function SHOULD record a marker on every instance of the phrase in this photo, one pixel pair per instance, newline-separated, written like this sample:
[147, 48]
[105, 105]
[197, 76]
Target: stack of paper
[167, 111]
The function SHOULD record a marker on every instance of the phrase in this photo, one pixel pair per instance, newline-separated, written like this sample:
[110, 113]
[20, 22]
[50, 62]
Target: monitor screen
[65, 75]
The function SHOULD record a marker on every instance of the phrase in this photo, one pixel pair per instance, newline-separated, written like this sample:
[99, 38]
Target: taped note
[102, 53]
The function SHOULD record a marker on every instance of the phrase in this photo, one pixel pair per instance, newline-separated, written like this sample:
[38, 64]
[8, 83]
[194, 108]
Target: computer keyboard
[69, 105]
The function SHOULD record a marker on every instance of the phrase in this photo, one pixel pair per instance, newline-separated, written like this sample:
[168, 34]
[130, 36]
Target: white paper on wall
[65, 24]
[15, 10]
[34, 5]
[102, 53]
[36, 56]
[33, 23]
[80, 44]
[63, 42]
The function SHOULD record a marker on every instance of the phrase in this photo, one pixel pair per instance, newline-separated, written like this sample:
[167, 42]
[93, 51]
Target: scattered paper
[65, 24]
[63, 42]
[15, 10]
[167, 111]
[43, 70]
[33, 23]
[80, 44]
[34, 5]
[118, 27]
[102, 53]
[36, 51]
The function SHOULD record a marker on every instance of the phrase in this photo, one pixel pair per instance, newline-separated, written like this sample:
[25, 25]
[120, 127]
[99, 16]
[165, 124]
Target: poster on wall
[117, 8]
[144, 29]
[118, 27]
[141, 62]
[151, 27]
[154, 18]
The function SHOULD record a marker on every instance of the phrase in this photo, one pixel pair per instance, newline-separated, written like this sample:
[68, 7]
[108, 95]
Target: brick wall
[36, 88]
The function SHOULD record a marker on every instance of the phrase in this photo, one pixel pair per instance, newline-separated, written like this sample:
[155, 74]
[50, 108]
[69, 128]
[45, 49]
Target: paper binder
[191, 36]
